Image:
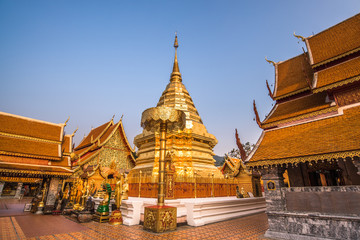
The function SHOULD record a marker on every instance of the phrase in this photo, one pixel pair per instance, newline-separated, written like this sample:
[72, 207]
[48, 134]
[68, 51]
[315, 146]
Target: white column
[2, 184]
[18, 190]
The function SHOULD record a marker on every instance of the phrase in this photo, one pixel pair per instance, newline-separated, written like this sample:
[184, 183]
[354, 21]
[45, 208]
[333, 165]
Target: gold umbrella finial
[175, 75]
[176, 45]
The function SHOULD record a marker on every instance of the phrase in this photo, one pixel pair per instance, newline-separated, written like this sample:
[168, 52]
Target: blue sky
[92, 59]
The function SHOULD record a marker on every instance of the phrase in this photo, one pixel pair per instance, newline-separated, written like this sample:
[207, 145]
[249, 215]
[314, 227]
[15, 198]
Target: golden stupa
[189, 151]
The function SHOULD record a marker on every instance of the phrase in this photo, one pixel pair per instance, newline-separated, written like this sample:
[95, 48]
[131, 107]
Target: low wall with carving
[316, 212]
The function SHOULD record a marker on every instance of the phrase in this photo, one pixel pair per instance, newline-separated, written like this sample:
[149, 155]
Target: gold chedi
[188, 150]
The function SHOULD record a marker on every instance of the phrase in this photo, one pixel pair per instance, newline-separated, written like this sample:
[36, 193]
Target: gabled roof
[335, 42]
[33, 144]
[231, 162]
[327, 138]
[292, 76]
[299, 108]
[90, 146]
[338, 75]
[94, 135]
[23, 126]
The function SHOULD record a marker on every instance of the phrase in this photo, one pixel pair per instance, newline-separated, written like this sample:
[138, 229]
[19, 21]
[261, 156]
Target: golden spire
[175, 75]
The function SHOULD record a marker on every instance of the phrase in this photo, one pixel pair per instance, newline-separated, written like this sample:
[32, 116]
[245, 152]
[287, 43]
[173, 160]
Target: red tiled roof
[24, 146]
[329, 135]
[83, 150]
[95, 133]
[18, 125]
[297, 107]
[87, 156]
[336, 40]
[17, 159]
[66, 145]
[328, 77]
[108, 132]
[292, 76]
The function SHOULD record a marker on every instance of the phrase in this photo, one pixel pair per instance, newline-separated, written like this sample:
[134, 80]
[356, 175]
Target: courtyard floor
[15, 224]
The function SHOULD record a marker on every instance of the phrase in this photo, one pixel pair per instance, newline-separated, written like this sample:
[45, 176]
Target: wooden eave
[338, 75]
[300, 108]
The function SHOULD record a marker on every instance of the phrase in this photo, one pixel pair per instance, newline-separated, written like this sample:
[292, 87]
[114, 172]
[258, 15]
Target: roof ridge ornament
[257, 118]
[240, 146]
[269, 61]
[299, 37]
[67, 121]
[75, 131]
[268, 87]
[303, 70]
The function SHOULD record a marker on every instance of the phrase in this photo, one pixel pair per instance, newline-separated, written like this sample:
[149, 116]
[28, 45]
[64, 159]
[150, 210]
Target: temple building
[313, 133]
[104, 148]
[246, 180]
[33, 154]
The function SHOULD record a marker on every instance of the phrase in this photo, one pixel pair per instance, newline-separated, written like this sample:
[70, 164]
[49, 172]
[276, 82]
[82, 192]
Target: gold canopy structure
[161, 119]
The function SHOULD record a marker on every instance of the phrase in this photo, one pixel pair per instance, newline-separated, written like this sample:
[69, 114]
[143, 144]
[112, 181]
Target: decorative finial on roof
[66, 121]
[240, 146]
[269, 61]
[176, 45]
[299, 37]
[256, 115]
[121, 117]
[112, 119]
[175, 75]
[270, 93]
[75, 131]
[308, 81]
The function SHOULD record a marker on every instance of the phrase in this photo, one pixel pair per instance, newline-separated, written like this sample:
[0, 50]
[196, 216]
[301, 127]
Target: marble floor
[46, 227]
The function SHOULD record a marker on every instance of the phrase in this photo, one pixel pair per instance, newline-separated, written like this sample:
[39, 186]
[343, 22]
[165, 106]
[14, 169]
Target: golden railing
[188, 187]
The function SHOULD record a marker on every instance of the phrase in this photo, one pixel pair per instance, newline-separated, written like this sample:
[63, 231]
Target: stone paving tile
[250, 227]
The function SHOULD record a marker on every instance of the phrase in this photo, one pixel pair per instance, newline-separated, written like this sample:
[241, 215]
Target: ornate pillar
[18, 190]
[273, 182]
[161, 191]
[51, 195]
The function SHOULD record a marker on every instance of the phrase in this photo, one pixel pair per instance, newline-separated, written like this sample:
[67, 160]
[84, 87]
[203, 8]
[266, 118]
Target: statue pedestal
[160, 218]
[116, 218]
[101, 217]
[40, 210]
[84, 216]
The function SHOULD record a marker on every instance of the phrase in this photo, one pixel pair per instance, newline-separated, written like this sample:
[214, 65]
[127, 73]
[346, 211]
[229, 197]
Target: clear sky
[92, 59]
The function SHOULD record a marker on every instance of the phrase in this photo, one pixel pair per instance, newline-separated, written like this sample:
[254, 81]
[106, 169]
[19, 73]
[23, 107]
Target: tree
[235, 153]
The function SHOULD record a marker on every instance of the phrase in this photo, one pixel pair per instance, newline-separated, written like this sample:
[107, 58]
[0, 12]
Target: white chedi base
[195, 211]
